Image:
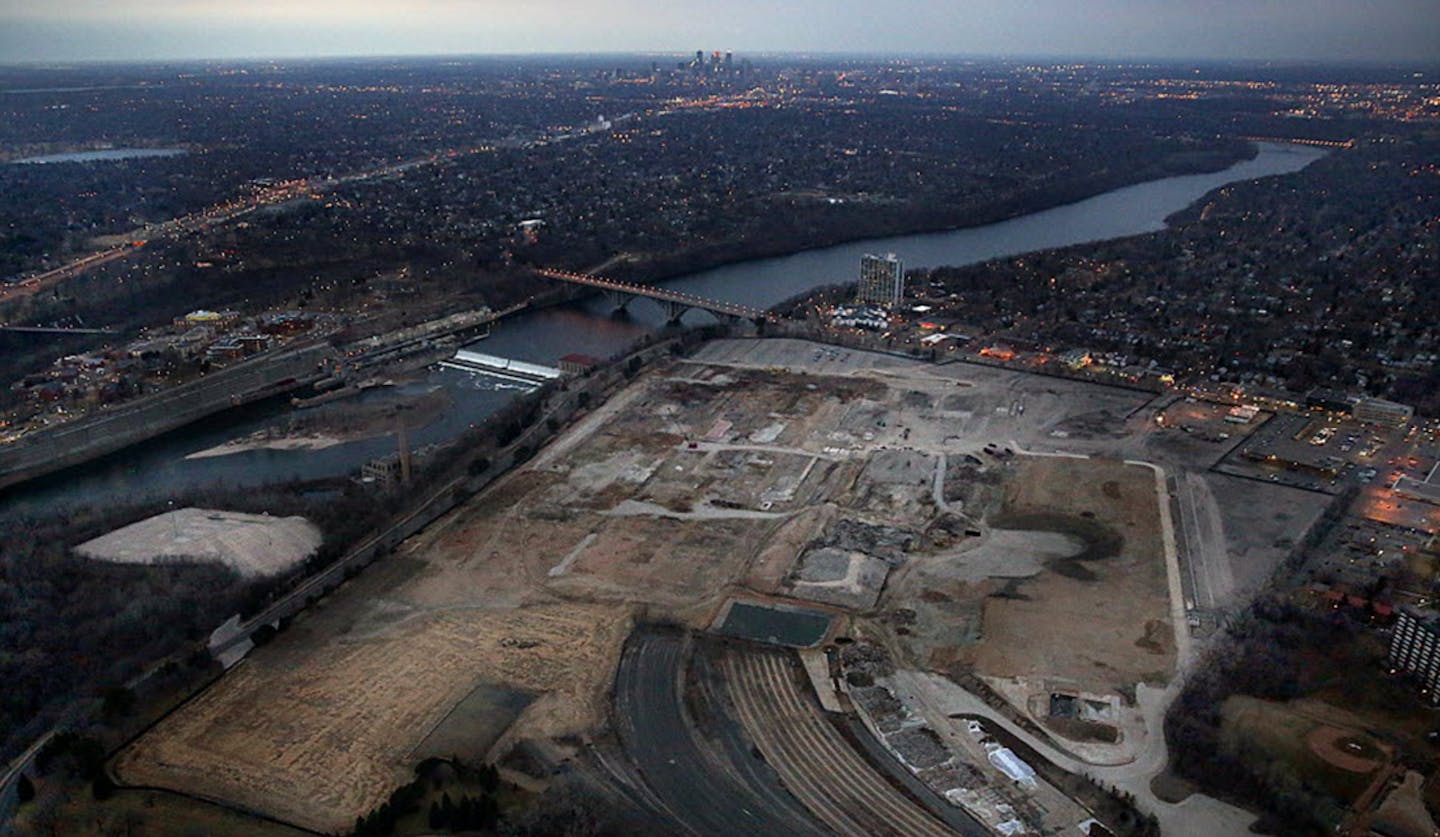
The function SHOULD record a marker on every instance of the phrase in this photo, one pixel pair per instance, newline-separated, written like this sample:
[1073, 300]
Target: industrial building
[1415, 649]
[577, 364]
[386, 470]
[882, 280]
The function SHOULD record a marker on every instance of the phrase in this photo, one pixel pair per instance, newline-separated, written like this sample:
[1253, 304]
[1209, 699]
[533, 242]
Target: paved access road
[695, 784]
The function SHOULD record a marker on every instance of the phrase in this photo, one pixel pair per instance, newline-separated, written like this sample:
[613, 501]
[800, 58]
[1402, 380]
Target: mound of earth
[254, 545]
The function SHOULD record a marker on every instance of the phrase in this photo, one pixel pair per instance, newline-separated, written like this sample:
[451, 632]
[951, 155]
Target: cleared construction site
[849, 538]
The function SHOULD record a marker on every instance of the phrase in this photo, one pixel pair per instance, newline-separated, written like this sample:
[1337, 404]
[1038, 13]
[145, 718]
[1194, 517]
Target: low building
[387, 470]
[286, 322]
[230, 349]
[218, 319]
[862, 316]
[1325, 466]
[253, 343]
[577, 364]
[1328, 399]
[1415, 648]
[1076, 358]
[1426, 490]
[1380, 411]
[930, 341]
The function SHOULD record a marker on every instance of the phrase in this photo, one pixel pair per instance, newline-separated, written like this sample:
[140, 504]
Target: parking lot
[1315, 452]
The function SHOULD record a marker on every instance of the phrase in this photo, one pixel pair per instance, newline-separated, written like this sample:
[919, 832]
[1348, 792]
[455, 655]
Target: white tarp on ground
[251, 544]
[1011, 765]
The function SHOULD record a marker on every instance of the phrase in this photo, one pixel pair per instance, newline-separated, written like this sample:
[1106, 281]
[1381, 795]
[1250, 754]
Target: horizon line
[1135, 60]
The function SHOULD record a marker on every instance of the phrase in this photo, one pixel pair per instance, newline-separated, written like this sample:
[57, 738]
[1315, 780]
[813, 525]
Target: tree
[262, 635]
[490, 778]
[118, 703]
[102, 787]
[487, 813]
[24, 789]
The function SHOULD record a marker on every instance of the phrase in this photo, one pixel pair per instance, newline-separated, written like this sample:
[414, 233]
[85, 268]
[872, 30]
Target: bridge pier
[618, 300]
[673, 310]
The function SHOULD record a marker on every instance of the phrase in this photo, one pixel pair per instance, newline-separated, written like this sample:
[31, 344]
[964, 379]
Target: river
[158, 468]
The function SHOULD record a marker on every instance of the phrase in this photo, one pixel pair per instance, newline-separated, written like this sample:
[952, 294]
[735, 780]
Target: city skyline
[1392, 31]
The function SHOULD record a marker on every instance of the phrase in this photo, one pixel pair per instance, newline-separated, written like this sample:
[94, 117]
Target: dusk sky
[1351, 30]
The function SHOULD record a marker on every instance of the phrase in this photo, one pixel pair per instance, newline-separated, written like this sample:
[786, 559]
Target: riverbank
[253, 443]
[565, 320]
[352, 416]
[655, 268]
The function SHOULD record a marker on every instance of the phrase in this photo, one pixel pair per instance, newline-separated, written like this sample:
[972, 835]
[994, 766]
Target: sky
[1387, 31]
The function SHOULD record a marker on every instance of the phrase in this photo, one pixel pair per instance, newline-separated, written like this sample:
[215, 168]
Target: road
[1197, 816]
[693, 784]
[1184, 648]
[21, 763]
[937, 485]
[216, 215]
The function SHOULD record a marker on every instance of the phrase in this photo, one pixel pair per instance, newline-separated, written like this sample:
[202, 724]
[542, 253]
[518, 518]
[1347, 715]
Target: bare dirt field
[1102, 620]
[528, 589]
[1064, 580]
[706, 480]
[313, 732]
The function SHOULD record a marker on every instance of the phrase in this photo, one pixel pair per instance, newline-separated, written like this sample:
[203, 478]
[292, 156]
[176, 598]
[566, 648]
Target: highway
[45, 330]
[19, 765]
[219, 214]
[697, 789]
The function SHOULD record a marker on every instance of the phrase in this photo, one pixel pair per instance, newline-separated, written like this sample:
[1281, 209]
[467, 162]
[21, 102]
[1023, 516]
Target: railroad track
[818, 766]
[694, 788]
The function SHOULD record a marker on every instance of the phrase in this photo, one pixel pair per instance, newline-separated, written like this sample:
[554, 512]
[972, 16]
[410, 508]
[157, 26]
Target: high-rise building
[882, 280]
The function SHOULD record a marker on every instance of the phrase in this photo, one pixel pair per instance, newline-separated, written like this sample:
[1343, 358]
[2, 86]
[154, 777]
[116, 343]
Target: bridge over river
[675, 303]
